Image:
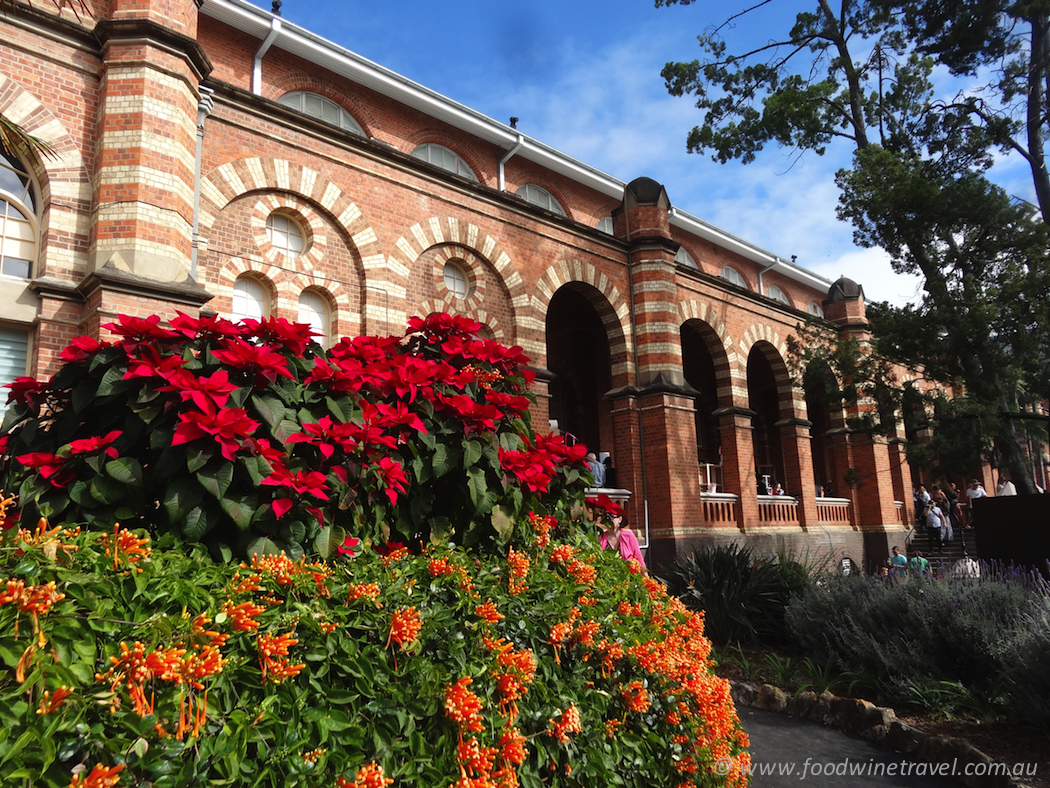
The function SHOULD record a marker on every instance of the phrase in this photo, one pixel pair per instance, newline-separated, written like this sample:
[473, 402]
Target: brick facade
[172, 151]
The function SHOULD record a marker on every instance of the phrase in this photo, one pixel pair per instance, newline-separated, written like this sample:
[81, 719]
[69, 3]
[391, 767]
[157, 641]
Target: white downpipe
[275, 29]
[510, 154]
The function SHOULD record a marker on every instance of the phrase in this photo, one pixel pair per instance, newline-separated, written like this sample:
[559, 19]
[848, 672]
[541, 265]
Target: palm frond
[18, 142]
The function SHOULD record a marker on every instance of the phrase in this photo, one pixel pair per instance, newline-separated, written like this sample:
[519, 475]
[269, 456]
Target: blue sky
[584, 77]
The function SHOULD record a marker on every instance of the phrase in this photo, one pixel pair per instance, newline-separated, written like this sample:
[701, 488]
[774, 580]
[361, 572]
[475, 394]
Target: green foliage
[743, 597]
[941, 644]
[918, 186]
[249, 437]
[187, 672]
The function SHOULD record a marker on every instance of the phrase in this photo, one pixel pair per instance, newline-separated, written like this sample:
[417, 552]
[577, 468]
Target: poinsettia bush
[129, 662]
[253, 439]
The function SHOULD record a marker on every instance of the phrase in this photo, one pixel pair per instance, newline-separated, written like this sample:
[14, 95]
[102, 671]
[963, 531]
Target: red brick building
[210, 155]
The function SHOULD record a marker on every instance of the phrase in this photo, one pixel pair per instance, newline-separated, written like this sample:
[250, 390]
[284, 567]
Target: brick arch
[612, 307]
[236, 178]
[65, 184]
[240, 177]
[725, 361]
[764, 339]
[476, 163]
[442, 231]
[311, 83]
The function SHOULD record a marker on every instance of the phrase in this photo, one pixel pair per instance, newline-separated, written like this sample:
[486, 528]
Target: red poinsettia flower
[392, 475]
[474, 416]
[82, 349]
[327, 436]
[439, 327]
[231, 428]
[263, 362]
[215, 388]
[303, 482]
[399, 418]
[533, 470]
[367, 350]
[91, 445]
[27, 391]
[213, 327]
[340, 376]
[278, 332]
[50, 466]
[349, 546]
[147, 362]
[141, 332]
[607, 505]
[510, 404]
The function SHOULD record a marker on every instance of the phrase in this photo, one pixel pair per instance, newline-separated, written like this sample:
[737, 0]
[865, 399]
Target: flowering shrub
[250, 438]
[502, 649]
[138, 663]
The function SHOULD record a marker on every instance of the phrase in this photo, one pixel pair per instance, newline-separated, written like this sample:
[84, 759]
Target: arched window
[313, 310]
[682, 257]
[815, 309]
[18, 219]
[539, 196]
[321, 108]
[606, 225]
[446, 159]
[250, 299]
[285, 233]
[730, 274]
[777, 294]
[456, 280]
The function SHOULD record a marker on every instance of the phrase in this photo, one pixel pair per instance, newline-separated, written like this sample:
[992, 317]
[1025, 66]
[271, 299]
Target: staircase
[963, 545]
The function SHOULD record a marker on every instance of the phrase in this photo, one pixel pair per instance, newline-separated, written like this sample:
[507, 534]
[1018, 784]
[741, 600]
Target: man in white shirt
[1006, 487]
[973, 492]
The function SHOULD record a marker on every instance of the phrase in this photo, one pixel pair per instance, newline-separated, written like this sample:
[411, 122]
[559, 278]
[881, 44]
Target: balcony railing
[782, 509]
[833, 511]
[719, 508]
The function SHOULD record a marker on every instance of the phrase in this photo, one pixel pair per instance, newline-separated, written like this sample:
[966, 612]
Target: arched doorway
[698, 365]
[764, 399]
[578, 356]
[822, 401]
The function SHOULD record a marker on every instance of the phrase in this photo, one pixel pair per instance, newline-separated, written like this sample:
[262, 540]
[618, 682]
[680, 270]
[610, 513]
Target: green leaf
[198, 522]
[106, 491]
[27, 738]
[241, 510]
[472, 451]
[197, 457]
[217, 481]
[262, 546]
[442, 462]
[270, 409]
[180, 496]
[329, 540]
[111, 382]
[126, 470]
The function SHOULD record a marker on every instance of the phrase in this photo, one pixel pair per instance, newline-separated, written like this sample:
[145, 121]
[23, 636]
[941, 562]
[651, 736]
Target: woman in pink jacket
[617, 536]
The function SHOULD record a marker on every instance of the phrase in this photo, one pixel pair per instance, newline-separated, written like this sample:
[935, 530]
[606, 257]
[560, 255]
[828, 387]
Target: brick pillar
[795, 442]
[143, 190]
[668, 476]
[738, 460]
[672, 474]
[541, 411]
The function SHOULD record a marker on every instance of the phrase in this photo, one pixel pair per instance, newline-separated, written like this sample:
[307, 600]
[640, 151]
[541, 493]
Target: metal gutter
[267, 27]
